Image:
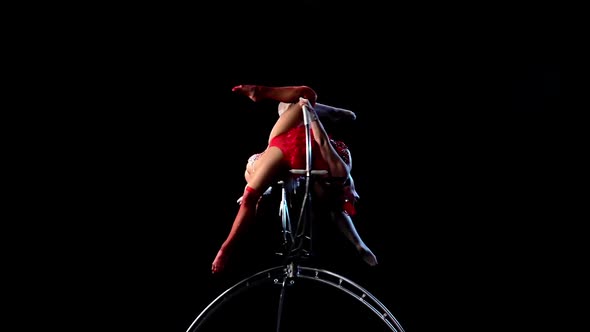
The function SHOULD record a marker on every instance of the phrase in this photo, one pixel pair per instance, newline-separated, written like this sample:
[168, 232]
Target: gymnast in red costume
[285, 151]
[292, 145]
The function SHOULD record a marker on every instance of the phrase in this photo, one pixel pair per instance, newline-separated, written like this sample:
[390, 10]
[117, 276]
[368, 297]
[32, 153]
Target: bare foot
[335, 114]
[219, 262]
[246, 90]
[368, 256]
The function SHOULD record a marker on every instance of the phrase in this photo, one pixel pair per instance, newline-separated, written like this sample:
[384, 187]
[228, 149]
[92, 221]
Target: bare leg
[287, 94]
[346, 225]
[332, 113]
[292, 115]
[337, 166]
[267, 167]
[291, 118]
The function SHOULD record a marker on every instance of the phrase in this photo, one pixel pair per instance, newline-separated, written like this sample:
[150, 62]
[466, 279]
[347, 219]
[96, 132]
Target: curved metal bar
[323, 276]
[365, 296]
[247, 283]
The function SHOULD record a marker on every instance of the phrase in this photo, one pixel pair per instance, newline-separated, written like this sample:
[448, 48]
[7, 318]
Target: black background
[457, 153]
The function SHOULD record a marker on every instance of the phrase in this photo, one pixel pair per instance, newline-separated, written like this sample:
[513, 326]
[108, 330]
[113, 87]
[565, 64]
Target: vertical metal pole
[305, 213]
[308, 160]
[281, 301]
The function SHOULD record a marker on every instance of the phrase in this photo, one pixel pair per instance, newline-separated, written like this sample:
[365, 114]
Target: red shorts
[293, 146]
